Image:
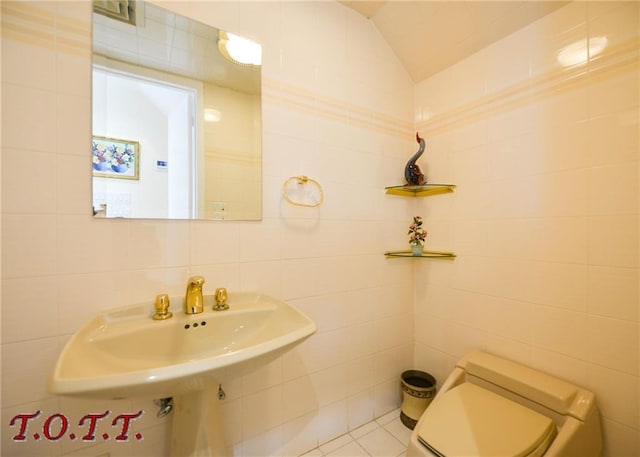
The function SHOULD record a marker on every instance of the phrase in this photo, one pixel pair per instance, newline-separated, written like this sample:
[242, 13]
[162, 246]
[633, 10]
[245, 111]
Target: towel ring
[302, 180]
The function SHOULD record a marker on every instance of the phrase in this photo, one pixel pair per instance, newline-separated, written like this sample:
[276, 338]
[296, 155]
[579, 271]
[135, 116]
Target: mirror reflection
[176, 117]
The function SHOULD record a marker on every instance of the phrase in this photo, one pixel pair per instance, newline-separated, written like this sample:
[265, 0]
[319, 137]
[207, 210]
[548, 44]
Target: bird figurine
[412, 172]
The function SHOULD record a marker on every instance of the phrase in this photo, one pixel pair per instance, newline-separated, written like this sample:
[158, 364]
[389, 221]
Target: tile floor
[384, 437]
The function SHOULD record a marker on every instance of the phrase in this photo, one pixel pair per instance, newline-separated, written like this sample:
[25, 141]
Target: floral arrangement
[416, 233]
[122, 155]
[100, 154]
[113, 154]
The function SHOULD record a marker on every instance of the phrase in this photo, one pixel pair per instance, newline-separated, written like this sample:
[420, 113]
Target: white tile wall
[337, 107]
[544, 220]
[545, 216]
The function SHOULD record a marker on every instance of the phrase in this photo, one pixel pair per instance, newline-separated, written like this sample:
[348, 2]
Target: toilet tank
[561, 397]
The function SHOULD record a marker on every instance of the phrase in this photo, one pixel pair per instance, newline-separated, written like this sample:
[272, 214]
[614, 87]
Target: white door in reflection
[160, 117]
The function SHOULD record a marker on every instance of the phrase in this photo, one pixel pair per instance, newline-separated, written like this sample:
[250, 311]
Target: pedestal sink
[124, 353]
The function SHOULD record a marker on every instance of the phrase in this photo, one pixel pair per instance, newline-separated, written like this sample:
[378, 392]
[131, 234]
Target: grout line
[334, 444]
[364, 430]
[389, 417]
[354, 436]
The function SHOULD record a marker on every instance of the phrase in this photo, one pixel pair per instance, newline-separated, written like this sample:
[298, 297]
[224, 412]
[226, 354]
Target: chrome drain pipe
[165, 405]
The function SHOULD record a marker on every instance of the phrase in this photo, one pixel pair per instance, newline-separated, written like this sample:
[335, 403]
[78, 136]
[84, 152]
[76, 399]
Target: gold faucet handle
[162, 308]
[221, 299]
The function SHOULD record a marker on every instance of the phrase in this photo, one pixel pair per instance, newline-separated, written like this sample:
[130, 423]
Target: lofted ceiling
[428, 36]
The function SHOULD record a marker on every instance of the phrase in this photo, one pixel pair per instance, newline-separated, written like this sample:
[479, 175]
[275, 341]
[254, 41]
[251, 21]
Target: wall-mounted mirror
[176, 117]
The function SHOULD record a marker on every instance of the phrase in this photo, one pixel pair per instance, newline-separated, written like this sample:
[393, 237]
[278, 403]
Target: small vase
[100, 166]
[417, 249]
[120, 168]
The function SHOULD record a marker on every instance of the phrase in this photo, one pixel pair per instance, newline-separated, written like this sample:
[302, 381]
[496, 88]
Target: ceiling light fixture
[212, 115]
[581, 51]
[239, 50]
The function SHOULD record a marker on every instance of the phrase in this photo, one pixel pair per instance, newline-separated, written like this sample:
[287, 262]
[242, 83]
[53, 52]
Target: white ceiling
[428, 36]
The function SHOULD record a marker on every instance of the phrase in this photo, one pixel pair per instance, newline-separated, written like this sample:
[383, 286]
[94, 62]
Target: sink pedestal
[197, 428]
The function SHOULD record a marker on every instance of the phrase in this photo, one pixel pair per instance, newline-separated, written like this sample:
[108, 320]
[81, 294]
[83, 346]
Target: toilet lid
[469, 420]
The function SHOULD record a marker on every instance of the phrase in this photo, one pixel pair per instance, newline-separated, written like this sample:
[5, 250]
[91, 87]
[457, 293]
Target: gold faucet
[193, 301]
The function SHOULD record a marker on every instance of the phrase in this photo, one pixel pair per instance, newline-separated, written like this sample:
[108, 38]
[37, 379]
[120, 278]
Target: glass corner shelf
[425, 254]
[420, 191]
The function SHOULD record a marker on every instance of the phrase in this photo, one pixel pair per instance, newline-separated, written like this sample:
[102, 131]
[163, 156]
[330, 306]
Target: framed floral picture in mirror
[115, 158]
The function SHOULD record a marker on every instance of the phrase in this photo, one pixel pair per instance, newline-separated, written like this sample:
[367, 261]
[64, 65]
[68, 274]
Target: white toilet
[492, 407]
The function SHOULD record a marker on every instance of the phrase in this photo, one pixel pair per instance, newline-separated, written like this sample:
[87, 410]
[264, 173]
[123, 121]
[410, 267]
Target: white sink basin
[124, 352]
